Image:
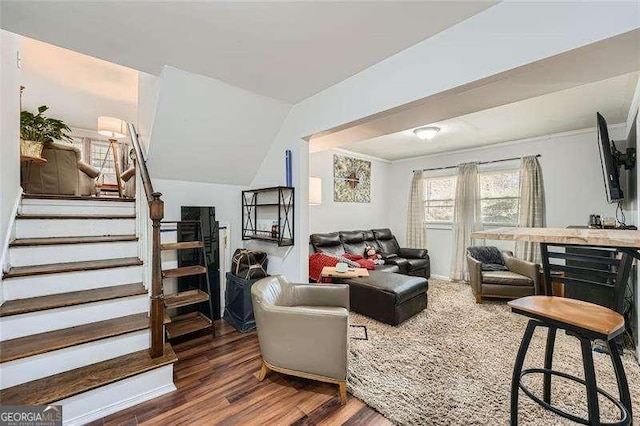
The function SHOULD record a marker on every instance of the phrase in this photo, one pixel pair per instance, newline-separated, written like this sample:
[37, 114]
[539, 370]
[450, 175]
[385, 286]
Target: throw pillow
[491, 257]
[367, 264]
[317, 261]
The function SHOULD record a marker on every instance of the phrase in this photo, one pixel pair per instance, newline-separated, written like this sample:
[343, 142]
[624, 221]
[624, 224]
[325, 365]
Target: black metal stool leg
[548, 363]
[590, 379]
[517, 369]
[621, 377]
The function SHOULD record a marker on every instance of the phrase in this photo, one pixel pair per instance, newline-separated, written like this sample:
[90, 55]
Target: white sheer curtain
[532, 210]
[467, 218]
[416, 234]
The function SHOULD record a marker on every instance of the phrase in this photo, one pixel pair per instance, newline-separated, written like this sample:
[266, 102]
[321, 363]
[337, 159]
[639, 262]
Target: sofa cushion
[415, 264]
[386, 240]
[387, 268]
[505, 278]
[400, 262]
[328, 243]
[370, 240]
[402, 287]
[353, 241]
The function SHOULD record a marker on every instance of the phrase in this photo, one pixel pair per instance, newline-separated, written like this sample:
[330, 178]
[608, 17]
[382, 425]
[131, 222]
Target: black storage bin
[238, 309]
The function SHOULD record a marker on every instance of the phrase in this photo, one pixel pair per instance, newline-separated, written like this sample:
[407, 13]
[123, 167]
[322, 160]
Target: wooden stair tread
[34, 304]
[574, 312]
[56, 268]
[27, 242]
[83, 379]
[77, 217]
[166, 319]
[187, 323]
[184, 271]
[182, 245]
[76, 198]
[185, 298]
[35, 344]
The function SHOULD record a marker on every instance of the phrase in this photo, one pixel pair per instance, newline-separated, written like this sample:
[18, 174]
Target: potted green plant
[37, 130]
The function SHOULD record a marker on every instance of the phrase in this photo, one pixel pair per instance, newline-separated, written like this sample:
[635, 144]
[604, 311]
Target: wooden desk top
[582, 236]
[330, 272]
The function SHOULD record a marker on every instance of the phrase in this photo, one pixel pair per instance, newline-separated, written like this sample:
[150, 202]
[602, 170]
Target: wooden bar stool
[584, 320]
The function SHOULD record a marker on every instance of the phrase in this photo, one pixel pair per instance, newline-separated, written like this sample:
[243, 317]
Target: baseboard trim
[9, 234]
[124, 404]
[439, 277]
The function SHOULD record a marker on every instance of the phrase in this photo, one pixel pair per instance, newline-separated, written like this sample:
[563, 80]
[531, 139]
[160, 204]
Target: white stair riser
[98, 403]
[41, 228]
[14, 326]
[44, 285]
[60, 253]
[50, 363]
[77, 207]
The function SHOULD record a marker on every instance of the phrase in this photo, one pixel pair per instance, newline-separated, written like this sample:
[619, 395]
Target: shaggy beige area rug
[452, 364]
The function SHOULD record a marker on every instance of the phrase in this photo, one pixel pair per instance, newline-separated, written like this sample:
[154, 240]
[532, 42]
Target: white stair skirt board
[61, 253]
[101, 402]
[14, 326]
[77, 207]
[44, 285]
[36, 367]
[41, 228]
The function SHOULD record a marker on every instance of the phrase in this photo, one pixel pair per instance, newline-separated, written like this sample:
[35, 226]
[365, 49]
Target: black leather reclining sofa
[407, 261]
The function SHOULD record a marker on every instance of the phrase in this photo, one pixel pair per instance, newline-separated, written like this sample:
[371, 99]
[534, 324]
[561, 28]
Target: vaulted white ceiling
[556, 112]
[285, 50]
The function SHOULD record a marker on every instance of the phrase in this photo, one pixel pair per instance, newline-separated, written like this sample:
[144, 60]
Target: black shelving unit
[267, 215]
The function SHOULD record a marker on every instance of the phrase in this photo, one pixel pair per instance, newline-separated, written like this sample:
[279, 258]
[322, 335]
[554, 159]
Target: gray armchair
[521, 279]
[303, 329]
[63, 174]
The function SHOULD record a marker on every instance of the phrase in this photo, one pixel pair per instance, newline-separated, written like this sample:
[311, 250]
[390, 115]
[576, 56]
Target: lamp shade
[112, 127]
[315, 190]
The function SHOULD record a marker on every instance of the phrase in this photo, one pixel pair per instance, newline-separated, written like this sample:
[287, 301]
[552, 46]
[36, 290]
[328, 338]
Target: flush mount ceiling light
[426, 133]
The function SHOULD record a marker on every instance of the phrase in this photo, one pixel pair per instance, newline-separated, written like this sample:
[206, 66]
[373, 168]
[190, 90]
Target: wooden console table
[617, 238]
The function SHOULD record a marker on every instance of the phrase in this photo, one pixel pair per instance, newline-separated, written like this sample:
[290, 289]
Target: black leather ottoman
[388, 297]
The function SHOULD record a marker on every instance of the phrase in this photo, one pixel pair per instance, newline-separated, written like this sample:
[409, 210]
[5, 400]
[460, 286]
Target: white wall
[225, 198]
[572, 179]
[206, 130]
[77, 88]
[9, 137]
[499, 39]
[331, 216]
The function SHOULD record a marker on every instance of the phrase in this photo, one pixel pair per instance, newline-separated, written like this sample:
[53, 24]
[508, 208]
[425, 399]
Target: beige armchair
[63, 174]
[522, 279]
[303, 329]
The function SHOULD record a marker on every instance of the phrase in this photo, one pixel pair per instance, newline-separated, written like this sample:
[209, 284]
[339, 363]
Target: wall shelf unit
[267, 215]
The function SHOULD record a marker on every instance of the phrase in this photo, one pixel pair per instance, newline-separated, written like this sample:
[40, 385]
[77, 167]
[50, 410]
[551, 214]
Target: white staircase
[74, 327]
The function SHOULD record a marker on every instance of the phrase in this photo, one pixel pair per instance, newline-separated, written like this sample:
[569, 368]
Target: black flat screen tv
[608, 160]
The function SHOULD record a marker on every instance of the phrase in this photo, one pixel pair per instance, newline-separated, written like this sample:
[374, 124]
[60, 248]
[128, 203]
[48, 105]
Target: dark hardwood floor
[217, 384]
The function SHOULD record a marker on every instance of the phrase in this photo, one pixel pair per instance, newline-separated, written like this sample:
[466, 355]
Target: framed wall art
[351, 180]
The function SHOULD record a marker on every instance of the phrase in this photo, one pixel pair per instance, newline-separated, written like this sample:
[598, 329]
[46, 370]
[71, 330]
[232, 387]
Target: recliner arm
[413, 253]
[475, 274]
[522, 267]
[88, 169]
[332, 295]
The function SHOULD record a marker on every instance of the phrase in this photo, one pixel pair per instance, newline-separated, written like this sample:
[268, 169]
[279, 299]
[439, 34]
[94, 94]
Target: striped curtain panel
[467, 218]
[532, 211]
[416, 233]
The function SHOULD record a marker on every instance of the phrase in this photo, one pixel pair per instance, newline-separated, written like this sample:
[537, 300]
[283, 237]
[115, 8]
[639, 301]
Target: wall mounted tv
[611, 159]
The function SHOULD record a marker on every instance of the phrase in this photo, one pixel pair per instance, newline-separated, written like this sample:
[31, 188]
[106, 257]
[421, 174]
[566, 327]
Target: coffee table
[330, 272]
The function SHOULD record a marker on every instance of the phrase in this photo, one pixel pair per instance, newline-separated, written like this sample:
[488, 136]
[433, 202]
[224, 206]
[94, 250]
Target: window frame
[490, 169]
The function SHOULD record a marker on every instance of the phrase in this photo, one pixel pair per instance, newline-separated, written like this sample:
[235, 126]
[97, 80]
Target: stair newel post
[156, 213]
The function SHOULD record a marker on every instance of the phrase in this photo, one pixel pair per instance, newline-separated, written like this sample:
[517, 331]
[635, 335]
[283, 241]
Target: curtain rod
[480, 162]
